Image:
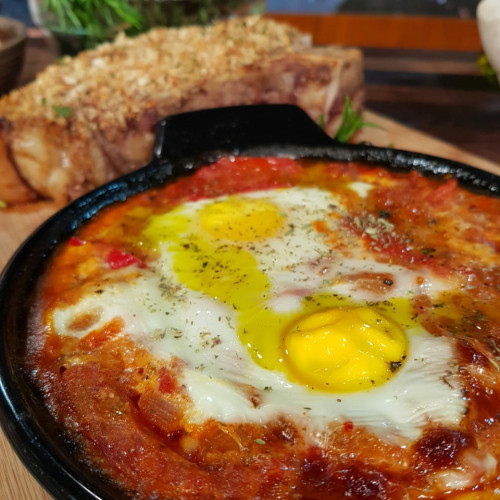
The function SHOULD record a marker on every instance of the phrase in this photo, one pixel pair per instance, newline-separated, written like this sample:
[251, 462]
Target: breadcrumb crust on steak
[92, 118]
[105, 87]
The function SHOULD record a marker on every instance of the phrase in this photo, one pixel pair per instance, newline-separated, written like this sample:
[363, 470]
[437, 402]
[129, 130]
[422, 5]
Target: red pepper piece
[76, 242]
[348, 426]
[167, 382]
[117, 259]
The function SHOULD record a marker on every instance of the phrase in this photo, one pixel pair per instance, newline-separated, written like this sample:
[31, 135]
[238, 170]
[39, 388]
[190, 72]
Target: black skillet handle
[236, 128]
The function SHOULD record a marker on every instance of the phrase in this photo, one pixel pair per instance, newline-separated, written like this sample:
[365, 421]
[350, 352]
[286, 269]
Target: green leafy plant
[179, 13]
[101, 18]
[98, 19]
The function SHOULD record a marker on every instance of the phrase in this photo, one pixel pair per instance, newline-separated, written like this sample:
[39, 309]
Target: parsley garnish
[63, 111]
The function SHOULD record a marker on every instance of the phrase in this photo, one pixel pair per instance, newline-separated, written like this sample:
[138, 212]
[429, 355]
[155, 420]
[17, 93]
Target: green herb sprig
[486, 69]
[352, 121]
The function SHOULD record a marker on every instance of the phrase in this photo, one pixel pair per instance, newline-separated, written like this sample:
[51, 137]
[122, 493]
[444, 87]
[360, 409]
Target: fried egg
[250, 290]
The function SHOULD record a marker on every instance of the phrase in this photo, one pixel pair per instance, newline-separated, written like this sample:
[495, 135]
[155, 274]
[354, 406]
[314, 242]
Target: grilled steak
[91, 118]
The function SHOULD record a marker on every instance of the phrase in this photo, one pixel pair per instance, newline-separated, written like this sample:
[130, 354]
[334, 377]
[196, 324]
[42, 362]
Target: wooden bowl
[12, 45]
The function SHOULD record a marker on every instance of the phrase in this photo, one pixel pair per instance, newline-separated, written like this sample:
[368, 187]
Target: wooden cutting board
[16, 223]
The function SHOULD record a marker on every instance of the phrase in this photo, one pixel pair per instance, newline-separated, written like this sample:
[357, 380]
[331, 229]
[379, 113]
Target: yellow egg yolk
[207, 251]
[345, 349]
[241, 219]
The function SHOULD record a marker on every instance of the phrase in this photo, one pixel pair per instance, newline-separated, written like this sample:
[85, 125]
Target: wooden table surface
[475, 104]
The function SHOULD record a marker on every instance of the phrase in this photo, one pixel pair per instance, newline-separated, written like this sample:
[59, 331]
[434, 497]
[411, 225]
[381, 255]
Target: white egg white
[172, 320]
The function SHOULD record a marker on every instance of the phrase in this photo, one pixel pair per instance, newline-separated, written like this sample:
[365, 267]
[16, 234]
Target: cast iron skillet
[184, 142]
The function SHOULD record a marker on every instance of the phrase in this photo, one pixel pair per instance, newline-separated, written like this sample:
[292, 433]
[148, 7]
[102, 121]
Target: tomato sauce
[125, 408]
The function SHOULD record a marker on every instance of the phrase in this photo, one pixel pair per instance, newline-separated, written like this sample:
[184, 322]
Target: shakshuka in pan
[276, 328]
